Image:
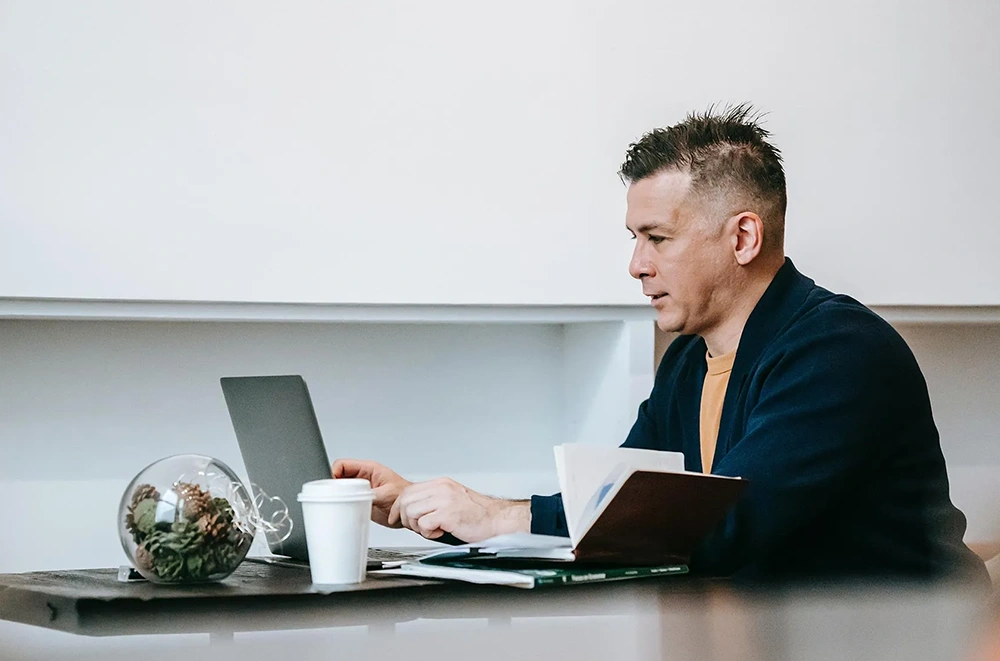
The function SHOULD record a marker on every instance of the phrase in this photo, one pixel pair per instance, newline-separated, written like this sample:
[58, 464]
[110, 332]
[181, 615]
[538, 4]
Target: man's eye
[655, 239]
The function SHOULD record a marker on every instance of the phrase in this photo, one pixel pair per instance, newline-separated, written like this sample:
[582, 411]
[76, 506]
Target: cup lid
[336, 488]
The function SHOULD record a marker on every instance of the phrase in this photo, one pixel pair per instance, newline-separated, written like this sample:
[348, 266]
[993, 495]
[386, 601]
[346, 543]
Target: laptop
[282, 448]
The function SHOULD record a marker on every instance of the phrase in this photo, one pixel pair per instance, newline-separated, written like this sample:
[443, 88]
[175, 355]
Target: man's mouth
[655, 297]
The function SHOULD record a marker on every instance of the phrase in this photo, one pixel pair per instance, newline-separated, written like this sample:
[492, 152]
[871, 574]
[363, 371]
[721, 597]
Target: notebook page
[582, 469]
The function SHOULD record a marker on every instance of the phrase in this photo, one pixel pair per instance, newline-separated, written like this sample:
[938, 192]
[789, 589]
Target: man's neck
[725, 337]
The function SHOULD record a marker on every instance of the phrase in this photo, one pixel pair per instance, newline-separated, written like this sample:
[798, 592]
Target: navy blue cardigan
[827, 414]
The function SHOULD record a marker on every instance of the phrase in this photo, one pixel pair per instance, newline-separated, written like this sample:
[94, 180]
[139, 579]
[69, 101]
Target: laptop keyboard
[376, 556]
[396, 555]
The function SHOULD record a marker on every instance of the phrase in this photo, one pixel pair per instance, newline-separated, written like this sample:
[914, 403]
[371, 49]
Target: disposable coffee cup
[336, 515]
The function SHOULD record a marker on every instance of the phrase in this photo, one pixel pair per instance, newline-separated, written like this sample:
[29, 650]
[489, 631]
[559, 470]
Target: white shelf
[939, 314]
[122, 310]
[126, 310]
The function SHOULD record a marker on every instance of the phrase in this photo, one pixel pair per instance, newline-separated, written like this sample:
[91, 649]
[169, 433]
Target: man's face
[681, 256]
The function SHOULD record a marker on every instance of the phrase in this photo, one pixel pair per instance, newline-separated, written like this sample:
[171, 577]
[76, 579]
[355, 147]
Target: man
[809, 395]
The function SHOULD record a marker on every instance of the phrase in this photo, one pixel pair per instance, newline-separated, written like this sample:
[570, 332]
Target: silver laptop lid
[282, 448]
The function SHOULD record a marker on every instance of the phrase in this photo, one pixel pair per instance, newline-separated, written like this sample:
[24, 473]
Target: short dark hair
[726, 153]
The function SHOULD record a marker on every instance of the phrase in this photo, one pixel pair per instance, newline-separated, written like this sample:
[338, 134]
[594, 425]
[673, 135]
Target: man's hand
[386, 484]
[443, 505]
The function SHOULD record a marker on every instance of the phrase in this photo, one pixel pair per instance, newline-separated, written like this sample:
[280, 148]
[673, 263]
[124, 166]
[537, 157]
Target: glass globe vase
[186, 519]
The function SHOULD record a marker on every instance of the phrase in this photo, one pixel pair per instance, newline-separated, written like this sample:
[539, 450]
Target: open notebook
[624, 507]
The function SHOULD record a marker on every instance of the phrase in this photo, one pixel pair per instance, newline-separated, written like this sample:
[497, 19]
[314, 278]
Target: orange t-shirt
[713, 392]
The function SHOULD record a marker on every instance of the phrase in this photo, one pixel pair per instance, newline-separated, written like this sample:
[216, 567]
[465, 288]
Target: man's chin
[669, 324]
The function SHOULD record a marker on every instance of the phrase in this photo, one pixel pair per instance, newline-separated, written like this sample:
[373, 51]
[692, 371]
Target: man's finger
[407, 501]
[385, 495]
[393, 519]
[429, 525]
[411, 511]
[348, 468]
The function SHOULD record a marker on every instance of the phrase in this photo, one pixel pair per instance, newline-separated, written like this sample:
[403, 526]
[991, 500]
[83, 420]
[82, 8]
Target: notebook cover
[658, 518]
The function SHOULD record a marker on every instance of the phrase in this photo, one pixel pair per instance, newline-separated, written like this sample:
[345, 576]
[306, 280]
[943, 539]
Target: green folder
[527, 577]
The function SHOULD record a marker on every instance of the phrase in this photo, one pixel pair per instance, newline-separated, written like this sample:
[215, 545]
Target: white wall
[455, 152]
[409, 392]
[962, 366]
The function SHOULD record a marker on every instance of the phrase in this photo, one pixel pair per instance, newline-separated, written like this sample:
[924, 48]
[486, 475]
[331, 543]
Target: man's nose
[640, 265]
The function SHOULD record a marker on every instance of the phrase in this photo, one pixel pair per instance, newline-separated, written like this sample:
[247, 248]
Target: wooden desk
[672, 617]
[259, 597]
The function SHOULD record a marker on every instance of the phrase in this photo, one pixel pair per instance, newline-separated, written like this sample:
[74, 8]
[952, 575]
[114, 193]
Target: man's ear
[749, 237]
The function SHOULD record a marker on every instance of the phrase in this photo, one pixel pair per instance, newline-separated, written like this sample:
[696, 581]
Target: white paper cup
[336, 514]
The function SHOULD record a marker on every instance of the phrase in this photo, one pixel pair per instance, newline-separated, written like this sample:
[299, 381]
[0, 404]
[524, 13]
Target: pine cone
[213, 527]
[130, 522]
[143, 558]
[142, 519]
[192, 500]
[141, 493]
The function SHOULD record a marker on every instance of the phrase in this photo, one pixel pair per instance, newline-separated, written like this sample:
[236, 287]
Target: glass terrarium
[186, 519]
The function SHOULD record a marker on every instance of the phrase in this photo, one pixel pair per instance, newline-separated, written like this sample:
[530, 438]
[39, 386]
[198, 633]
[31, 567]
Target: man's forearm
[512, 516]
